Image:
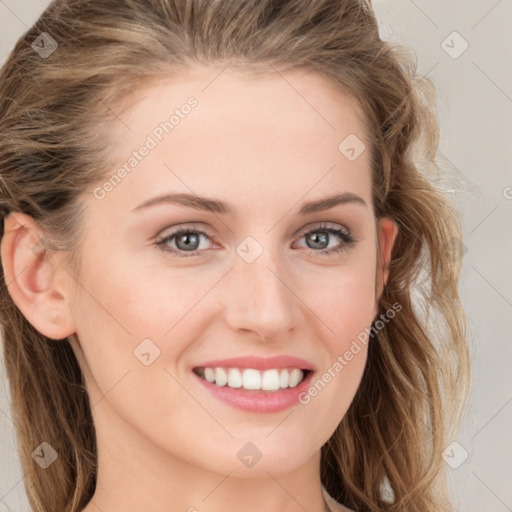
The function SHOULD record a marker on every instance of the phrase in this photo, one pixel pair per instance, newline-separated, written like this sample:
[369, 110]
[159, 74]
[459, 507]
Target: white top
[333, 504]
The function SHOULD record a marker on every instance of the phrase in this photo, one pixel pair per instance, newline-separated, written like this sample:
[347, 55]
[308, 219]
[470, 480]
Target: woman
[228, 276]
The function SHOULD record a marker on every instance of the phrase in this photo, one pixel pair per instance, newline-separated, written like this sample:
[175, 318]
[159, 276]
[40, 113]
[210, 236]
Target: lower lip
[258, 401]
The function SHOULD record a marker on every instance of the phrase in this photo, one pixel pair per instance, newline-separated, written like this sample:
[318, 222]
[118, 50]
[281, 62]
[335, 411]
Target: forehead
[214, 131]
[235, 95]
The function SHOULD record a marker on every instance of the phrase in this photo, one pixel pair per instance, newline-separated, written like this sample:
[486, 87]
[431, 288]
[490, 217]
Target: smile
[252, 379]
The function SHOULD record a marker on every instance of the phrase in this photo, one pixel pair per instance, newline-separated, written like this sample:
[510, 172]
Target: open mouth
[251, 379]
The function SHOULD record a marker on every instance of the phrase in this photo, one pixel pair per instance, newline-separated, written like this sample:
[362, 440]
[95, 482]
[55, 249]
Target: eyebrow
[216, 206]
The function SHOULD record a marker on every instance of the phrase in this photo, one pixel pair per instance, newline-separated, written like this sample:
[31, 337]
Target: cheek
[343, 298]
[345, 305]
[134, 322]
[127, 298]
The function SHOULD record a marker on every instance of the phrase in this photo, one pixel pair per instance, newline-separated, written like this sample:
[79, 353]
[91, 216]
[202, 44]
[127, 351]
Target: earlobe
[31, 277]
[388, 232]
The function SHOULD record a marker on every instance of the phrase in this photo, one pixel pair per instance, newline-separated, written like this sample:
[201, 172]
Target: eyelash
[348, 241]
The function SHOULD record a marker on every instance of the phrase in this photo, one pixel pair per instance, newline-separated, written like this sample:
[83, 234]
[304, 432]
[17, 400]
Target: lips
[269, 400]
[257, 401]
[259, 363]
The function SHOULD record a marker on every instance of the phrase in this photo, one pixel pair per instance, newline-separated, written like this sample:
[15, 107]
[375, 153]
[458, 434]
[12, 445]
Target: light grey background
[475, 106]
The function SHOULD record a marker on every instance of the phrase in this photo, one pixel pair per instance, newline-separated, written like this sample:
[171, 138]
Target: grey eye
[187, 241]
[318, 241]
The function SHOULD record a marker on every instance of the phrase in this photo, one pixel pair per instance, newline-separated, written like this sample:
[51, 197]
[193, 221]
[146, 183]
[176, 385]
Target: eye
[318, 239]
[185, 240]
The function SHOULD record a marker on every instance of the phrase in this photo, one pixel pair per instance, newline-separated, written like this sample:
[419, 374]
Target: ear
[388, 231]
[32, 277]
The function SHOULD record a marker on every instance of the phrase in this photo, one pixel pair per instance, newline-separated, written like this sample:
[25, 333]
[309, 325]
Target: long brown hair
[55, 111]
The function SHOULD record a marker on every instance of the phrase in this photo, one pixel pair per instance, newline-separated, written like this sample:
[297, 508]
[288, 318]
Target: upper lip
[259, 363]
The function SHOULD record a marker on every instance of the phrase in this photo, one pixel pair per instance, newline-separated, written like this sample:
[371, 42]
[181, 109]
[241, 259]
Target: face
[175, 285]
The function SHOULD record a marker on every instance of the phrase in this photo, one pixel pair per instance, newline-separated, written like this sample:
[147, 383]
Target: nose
[262, 297]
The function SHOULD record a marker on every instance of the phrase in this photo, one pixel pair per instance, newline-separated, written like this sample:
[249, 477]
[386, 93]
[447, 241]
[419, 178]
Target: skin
[164, 442]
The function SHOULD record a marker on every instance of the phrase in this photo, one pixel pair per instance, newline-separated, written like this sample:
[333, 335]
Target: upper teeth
[249, 378]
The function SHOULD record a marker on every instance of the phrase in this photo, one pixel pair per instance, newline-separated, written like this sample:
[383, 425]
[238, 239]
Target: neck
[144, 477]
